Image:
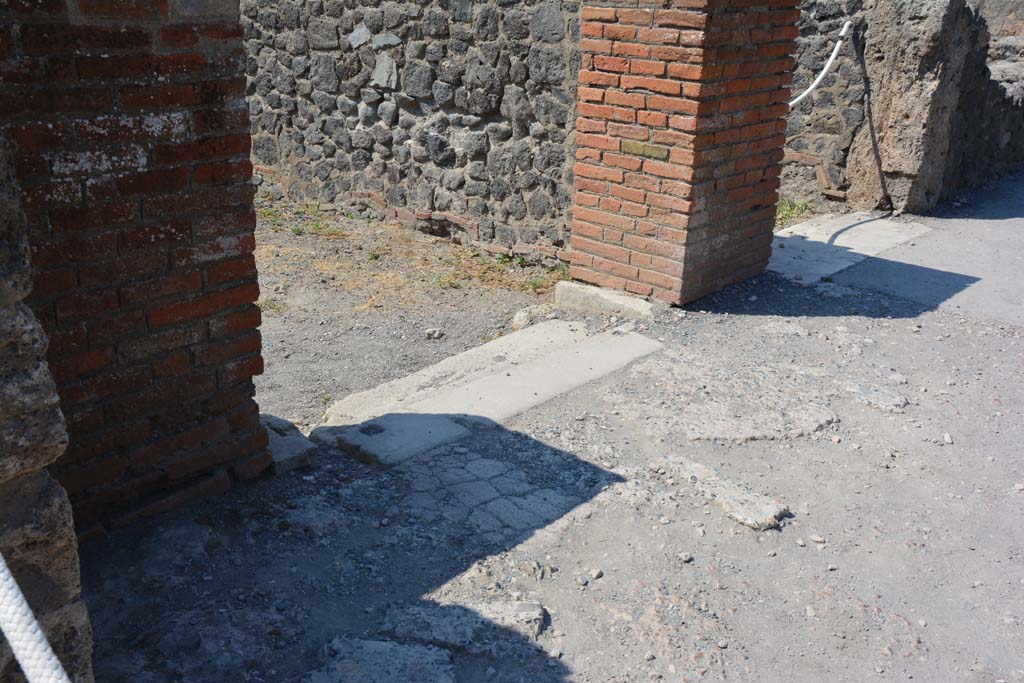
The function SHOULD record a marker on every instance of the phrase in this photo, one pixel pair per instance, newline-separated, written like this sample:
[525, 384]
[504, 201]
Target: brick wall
[132, 132]
[680, 133]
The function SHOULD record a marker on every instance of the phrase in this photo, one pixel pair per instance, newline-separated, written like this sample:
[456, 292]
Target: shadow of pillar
[362, 572]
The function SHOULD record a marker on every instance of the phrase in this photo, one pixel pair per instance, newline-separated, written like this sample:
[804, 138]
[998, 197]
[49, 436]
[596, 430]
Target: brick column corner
[679, 143]
[132, 142]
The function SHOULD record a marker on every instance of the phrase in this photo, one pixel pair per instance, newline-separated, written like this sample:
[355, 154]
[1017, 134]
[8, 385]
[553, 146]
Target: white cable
[828, 66]
[22, 631]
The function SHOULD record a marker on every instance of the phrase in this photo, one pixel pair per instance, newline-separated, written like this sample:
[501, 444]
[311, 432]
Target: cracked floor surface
[559, 549]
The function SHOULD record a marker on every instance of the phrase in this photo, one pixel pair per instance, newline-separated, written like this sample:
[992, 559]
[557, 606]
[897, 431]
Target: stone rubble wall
[916, 109]
[446, 114]
[1005, 18]
[132, 154]
[988, 124]
[37, 536]
[460, 115]
[821, 129]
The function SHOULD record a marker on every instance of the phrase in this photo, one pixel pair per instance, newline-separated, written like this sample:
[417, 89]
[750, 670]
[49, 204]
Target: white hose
[828, 66]
[22, 631]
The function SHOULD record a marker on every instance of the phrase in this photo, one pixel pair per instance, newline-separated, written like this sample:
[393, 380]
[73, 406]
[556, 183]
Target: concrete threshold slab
[432, 415]
[501, 354]
[392, 438]
[502, 395]
[826, 245]
[595, 300]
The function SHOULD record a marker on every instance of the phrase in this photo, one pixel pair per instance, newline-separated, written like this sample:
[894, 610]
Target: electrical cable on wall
[828, 66]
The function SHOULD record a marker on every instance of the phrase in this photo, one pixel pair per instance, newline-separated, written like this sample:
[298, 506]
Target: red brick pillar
[132, 133]
[680, 139]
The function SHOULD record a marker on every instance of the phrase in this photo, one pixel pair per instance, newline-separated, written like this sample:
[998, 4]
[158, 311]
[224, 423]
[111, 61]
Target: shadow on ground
[342, 572]
[770, 294]
[999, 200]
[825, 262]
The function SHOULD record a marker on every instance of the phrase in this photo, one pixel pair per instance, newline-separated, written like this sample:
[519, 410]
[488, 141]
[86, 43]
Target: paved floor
[970, 261]
[825, 245]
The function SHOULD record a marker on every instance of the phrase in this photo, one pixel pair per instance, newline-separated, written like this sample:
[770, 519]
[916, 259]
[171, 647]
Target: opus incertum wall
[448, 114]
[860, 141]
[468, 114]
[132, 153]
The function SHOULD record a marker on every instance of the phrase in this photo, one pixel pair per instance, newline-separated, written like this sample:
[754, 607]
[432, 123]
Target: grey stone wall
[988, 125]
[448, 113]
[37, 537]
[821, 129]
[920, 105]
[1005, 18]
[458, 114]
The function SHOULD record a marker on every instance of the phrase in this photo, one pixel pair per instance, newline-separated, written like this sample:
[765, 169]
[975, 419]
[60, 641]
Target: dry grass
[466, 266]
[790, 212]
[381, 263]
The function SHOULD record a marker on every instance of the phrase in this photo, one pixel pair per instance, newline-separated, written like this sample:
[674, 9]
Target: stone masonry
[915, 110]
[465, 117]
[132, 147]
[679, 143]
[459, 116]
[450, 115]
[37, 536]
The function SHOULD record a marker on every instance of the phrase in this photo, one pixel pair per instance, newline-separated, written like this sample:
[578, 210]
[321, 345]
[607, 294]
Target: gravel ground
[892, 432]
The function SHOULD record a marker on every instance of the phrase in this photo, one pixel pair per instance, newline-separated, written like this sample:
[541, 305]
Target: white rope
[828, 66]
[22, 631]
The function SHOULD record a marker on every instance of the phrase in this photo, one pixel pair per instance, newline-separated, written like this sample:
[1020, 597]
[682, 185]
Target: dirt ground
[347, 300]
[893, 433]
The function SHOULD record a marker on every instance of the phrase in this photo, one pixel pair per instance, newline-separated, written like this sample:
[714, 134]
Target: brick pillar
[679, 143]
[132, 134]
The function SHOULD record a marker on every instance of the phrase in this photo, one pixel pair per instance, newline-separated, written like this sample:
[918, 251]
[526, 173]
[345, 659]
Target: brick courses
[133, 158]
[679, 142]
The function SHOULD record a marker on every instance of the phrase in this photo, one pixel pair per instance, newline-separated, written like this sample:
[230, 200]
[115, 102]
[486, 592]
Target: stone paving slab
[436, 415]
[826, 245]
[499, 396]
[737, 500]
[392, 438]
[474, 627]
[599, 301]
[287, 445]
[499, 355]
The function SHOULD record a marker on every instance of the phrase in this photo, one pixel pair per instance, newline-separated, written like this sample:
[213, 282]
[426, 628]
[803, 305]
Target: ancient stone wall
[821, 129]
[1005, 18]
[987, 127]
[449, 114]
[37, 536]
[914, 111]
[132, 155]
